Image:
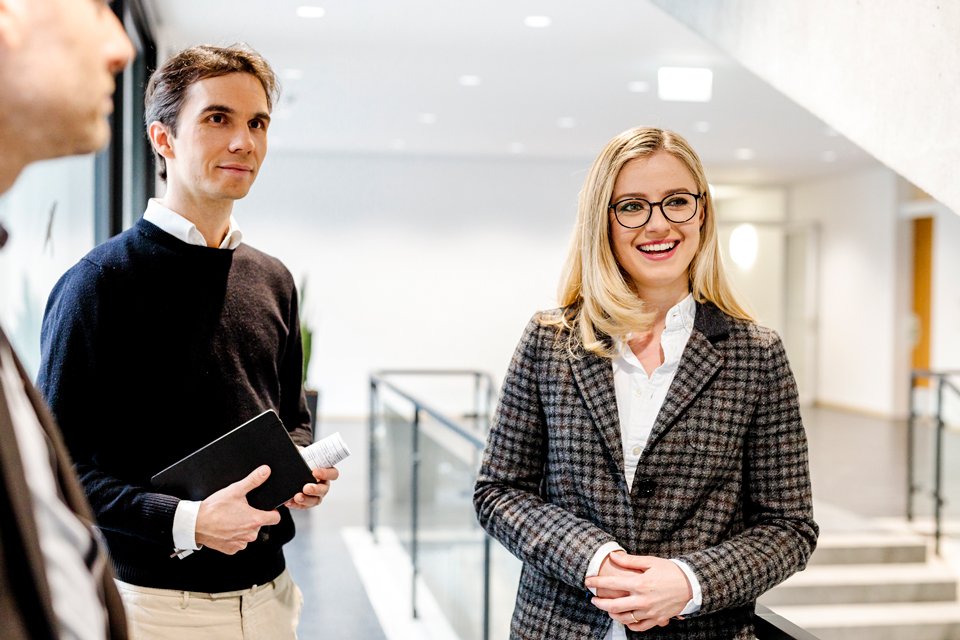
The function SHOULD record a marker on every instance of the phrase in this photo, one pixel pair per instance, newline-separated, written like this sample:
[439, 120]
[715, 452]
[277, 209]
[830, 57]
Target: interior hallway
[858, 473]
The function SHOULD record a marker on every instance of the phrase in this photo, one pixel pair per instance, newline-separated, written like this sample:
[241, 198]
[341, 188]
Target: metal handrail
[768, 625]
[943, 384]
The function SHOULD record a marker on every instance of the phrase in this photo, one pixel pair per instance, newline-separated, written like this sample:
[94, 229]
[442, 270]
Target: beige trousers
[262, 612]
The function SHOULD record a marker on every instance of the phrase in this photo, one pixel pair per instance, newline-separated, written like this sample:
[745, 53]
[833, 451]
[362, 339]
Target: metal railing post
[911, 487]
[938, 466]
[372, 459]
[414, 501]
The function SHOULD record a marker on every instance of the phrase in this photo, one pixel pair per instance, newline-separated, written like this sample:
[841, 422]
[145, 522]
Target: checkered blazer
[722, 485]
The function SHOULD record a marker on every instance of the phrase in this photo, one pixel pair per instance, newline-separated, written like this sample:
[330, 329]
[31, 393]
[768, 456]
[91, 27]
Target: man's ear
[12, 23]
[160, 138]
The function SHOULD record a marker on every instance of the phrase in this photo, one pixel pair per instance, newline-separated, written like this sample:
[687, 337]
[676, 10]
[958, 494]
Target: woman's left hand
[657, 590]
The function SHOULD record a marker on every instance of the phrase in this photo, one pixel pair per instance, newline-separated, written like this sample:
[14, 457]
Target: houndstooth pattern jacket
[723, 483]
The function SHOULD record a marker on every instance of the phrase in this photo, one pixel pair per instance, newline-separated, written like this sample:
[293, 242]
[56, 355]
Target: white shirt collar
[184, 230]
[676, 332]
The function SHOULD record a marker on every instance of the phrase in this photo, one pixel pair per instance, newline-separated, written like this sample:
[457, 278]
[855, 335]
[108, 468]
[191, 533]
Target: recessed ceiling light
[516, 147]
[685, 84]
[306, 11]
[744, 154]
[292, 74]
[566, 122]
[638, 86]
[829, 156]
[537, 22]
[702, 126]
[427, 118]
[470, 81]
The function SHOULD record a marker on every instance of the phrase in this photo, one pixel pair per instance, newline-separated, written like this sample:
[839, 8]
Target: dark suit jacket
[723, 483]
[26, 610]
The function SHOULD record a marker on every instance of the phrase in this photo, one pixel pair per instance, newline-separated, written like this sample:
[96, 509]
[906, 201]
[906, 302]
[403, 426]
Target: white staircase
[872, 585]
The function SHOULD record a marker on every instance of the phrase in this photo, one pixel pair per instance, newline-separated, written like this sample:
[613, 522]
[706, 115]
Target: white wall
[31, 263]
[945, 320]
[858, 325]
[413, 263]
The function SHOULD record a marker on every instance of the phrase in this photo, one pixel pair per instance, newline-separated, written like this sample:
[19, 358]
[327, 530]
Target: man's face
[68, 56]
[221, 139]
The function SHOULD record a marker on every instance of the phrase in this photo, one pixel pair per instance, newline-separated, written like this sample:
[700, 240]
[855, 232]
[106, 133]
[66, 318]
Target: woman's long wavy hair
[598, 299]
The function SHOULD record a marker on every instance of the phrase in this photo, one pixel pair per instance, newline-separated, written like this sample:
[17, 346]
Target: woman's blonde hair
[597, 297]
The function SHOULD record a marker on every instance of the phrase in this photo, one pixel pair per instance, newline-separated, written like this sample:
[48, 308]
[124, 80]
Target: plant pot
[313, 404]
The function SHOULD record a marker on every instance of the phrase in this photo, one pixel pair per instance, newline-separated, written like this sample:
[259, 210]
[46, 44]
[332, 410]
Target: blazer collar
[593, 375]
[698, 364]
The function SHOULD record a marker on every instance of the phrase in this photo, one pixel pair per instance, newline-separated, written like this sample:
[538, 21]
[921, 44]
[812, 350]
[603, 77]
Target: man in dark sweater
[171, 334]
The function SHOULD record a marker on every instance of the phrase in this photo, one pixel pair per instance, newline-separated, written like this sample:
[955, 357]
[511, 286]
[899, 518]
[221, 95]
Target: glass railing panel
[394, 466]
[451, 542]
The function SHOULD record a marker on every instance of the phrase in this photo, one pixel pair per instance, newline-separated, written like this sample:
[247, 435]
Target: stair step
[871, 583]
[869, 548]
[888, 621]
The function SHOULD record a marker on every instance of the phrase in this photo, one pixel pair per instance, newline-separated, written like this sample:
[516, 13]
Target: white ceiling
[371, 68]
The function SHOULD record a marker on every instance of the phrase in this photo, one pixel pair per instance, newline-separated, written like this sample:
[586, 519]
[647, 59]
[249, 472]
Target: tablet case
[232, 456]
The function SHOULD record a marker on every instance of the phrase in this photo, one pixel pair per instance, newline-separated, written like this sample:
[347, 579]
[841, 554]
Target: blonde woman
[647, 461]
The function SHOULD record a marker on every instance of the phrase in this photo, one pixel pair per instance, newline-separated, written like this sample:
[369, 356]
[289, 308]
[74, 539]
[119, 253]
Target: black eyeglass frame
[696, 199]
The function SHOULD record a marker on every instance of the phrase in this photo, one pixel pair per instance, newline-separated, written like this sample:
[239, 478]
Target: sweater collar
[182, 229]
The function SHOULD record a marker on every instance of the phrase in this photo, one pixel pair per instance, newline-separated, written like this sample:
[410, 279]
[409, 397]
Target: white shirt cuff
[185, 525]
[693, 605]
[598, 557]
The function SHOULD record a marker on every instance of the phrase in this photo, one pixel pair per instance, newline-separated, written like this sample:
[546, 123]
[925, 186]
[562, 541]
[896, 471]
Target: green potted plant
[306, 339]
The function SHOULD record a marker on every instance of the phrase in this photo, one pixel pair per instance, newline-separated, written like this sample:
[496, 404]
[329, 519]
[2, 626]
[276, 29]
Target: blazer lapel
[594, 378]
[699, 363]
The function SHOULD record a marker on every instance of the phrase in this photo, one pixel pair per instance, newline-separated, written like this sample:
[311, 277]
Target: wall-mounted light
[744, 245]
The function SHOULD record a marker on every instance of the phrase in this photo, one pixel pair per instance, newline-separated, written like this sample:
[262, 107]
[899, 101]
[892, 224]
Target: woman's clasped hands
[640, 592]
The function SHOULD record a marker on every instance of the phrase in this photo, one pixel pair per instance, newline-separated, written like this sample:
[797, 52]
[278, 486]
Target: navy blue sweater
[152, 340]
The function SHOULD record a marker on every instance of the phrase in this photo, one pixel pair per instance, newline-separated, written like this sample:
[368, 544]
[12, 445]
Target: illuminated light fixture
[829, 156]
[306, 11]
[744, 154]
[743, 246]
[292, 74]
[537, 22]
[685, 84]
[566, 122]
[470, 81]
[638, 86]
[427, 118]
[702, 126]
[517, 147]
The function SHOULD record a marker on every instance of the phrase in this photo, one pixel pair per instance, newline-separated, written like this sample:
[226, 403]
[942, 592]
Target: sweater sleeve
[74, 382]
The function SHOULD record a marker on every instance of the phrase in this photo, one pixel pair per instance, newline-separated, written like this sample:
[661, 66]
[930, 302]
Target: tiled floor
[858, 470]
